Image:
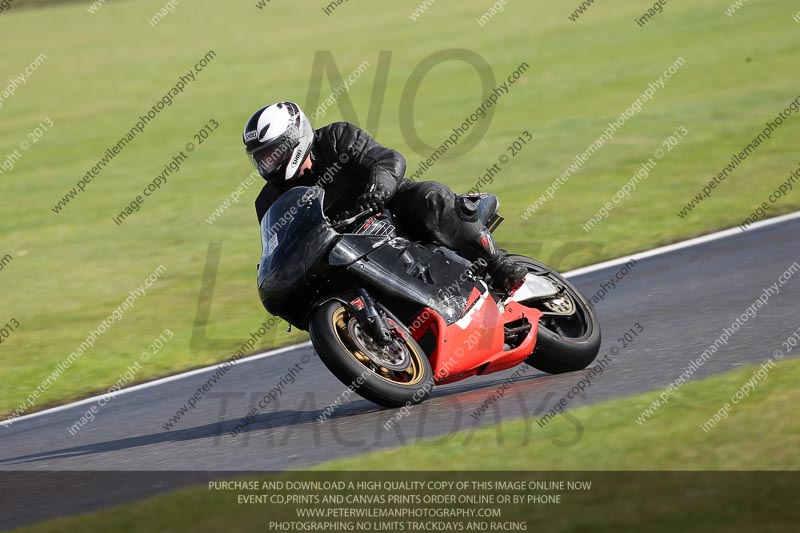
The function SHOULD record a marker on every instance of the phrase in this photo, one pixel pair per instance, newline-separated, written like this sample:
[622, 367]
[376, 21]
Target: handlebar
[341, 222]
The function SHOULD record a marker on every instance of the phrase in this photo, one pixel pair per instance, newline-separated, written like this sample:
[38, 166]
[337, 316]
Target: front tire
[564, 343]
[394, 376]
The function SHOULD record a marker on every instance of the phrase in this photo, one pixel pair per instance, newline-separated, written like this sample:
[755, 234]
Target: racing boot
[507, 275]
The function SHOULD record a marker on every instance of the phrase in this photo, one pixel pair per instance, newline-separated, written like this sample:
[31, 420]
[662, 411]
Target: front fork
[370, 319]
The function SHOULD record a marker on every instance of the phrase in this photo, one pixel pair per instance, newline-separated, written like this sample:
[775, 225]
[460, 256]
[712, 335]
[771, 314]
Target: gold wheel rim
[414, 373]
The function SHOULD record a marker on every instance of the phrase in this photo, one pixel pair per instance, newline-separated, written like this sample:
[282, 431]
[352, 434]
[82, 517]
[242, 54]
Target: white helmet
[278, 139]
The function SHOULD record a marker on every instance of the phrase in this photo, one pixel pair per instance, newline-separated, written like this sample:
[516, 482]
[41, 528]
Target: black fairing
[420, 274]
[295, 239]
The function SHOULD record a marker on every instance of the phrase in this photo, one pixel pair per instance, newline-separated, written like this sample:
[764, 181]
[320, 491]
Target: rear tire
[332, 326]
[563, 344]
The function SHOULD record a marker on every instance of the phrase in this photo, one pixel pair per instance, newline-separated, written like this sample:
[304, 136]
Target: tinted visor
[270, 159]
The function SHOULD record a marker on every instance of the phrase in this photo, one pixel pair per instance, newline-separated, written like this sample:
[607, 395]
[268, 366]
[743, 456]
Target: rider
[358, 174]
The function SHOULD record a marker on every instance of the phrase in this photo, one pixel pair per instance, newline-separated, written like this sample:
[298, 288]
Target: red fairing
[474, 344]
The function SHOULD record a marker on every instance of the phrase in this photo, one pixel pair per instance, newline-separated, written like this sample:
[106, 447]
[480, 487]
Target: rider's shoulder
[337, 129]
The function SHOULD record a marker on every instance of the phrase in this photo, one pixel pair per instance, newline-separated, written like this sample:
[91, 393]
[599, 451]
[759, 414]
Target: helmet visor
[270, 159]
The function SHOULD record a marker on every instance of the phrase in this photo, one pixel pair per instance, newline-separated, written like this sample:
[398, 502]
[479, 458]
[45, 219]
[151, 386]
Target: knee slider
[467, 209]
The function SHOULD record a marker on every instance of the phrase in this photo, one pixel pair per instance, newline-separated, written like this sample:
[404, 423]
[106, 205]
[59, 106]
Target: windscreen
[293, 236]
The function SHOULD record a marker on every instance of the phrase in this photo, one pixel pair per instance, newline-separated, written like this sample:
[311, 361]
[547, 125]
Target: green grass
[70, 270]
[762, 432]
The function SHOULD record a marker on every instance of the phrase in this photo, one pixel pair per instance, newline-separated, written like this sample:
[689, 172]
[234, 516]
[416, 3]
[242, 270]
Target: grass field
[70, 270]
[760, 433]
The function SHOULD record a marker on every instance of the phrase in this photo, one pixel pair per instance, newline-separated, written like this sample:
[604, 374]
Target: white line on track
[681, 245]
[155, 383]
[572, 273]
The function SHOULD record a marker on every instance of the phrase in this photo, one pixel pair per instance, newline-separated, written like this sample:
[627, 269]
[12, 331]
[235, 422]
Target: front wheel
[569, 335]
[392, 376]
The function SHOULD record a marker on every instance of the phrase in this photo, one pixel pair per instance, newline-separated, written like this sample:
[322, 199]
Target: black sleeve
[265, 199]
[383, 166]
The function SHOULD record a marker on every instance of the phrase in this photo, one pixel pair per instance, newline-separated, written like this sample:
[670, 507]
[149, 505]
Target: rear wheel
[569, 336]
[391, 376]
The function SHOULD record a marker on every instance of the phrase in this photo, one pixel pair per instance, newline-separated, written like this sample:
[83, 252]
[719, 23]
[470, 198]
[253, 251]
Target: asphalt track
[681, 299]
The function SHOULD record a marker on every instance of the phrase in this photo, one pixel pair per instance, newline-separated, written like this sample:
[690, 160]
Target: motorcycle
[393, 318]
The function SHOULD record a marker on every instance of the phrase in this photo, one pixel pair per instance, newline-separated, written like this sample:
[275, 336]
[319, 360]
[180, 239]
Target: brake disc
[560, 306]
[394, 357]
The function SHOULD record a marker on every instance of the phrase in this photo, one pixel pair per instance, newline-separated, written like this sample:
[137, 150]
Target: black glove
[372, 201]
